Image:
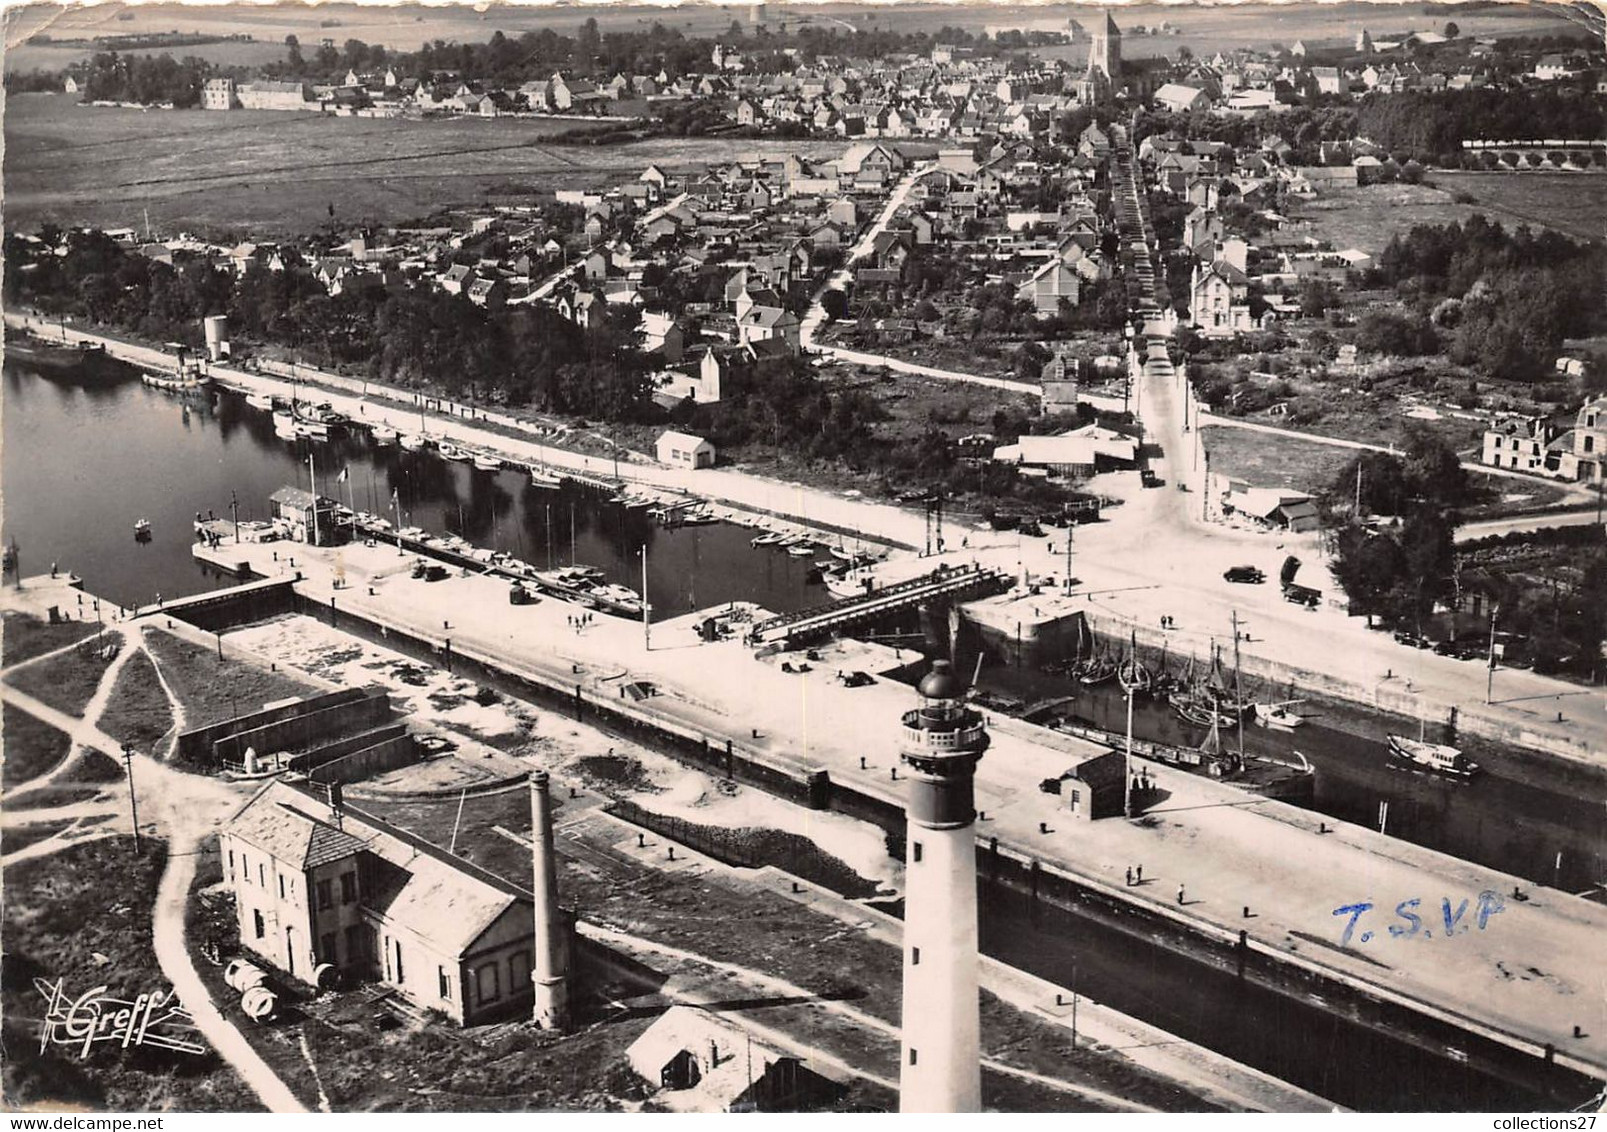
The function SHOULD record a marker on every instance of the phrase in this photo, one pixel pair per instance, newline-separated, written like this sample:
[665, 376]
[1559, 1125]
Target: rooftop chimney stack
[551, 975]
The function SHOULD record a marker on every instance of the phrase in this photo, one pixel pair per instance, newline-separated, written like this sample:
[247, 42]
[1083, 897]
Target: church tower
[940, 1063]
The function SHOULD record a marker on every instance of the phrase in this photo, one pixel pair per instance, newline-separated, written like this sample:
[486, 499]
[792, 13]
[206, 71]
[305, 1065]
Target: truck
[1293, 592]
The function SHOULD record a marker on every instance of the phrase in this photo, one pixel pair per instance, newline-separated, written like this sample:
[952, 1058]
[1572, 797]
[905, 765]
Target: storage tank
[243, 975]
[217, 336]
[259, 1004]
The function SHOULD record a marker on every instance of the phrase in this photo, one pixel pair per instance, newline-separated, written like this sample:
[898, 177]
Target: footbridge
[964, 583]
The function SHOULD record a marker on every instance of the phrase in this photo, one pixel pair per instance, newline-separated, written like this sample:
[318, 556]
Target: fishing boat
[385, 435]
[261, 401]
[284, 426]
[769, 539]
[1099, 668]
[185, 382]
[1131, 674]
[1193, 710]
[412, 441]
[316, 420]
[142, 530]
[1278, 717]
[540, 477]
[452, 452]
[1437, 758]
[487, 462]
[846, 585]
[50, 357]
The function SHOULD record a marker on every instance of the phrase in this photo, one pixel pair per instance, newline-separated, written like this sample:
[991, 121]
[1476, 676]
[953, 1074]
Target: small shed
[310, 518]
[701, 1062]
[1093, 788]
[683, 450]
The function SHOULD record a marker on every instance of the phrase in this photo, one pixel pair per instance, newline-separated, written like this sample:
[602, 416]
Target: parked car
[1415, 640]
[1249, 575]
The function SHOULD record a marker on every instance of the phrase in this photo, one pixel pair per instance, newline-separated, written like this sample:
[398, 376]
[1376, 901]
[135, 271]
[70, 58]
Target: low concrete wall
[196, 747]
[375, 759]
[372, 708]
[238, 605]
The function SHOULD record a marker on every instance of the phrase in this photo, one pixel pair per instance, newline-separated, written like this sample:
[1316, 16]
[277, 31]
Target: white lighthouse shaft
[940, 1068]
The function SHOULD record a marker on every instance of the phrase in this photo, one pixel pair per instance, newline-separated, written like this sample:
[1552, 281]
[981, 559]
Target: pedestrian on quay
[1138, 874]
[1180, 894]
[1129, 876]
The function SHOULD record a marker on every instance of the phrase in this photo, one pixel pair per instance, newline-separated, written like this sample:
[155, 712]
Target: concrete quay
[1153, 556]
[1525, 975]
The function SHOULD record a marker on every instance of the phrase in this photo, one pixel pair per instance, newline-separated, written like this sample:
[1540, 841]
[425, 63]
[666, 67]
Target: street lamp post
[133, 810]
[1489, 680]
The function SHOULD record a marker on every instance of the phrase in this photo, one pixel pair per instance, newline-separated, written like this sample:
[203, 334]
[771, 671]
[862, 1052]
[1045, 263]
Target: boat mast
[1238, 693]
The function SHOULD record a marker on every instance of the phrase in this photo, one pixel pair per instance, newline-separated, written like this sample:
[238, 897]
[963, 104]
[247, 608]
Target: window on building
[245, 869]
[1590, 443]
[486, 983]
[399, 978]
[281, 886]
[262, 874]
[915, 852]
[325, 895]
[915, 957]
[518, 970]
[348, 887]
[913, 1055]
[257, 925]
[231, 864]
[326, 949]
[444, 983]
[1076, 798]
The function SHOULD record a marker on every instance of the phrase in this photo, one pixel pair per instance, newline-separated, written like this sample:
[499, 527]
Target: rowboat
[1278, 717]
[385, 435]
[412, 441]
[261, 401]
[487, 462]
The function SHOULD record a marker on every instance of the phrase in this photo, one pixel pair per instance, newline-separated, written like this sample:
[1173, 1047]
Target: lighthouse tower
[940, 1068]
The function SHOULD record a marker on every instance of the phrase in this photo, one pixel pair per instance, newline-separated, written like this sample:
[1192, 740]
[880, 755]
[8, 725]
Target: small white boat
[802, 550]
[1278, 717]
[142, 529]
[412, 441]
[487, 462]
[314, 430]
[845, 586]
[770, 539]
[542, 478]
[452, 452]
[385, 435]
[261, 401]
[1438, 758]
[284, 426]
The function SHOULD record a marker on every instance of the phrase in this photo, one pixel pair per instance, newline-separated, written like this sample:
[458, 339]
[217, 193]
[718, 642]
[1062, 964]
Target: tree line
[1497, 300]
[417, 338]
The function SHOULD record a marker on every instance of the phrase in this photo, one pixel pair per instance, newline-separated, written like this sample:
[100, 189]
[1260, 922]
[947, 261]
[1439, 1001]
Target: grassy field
[1269, 460]
[23, 637]
[67, 682]
[1366, 217]
[211, 690]
[83, 916]
[1572, 203]
[276, 173]
[138, 712]
[31, 747]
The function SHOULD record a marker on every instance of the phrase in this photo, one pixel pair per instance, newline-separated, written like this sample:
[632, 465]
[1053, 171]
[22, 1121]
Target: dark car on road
[1417, 641]
[1249, 575]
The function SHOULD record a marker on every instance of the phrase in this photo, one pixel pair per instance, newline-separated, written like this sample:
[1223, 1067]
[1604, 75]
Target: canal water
[82, 462]
[1538, 818]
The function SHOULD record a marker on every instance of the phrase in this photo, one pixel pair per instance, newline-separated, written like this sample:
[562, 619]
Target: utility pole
[1070, 530]
[133, 811]
[234, 509]
[1127, 761]
[312, 476]
[1355, 511]
[1489, 680]
[647, 639]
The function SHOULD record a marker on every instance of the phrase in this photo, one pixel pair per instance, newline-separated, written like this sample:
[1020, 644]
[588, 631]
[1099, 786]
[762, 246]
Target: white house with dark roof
[316, 882]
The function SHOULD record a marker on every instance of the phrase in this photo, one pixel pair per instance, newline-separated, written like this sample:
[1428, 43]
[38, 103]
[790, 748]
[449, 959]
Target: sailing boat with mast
[1134, 678]
[1100, 668]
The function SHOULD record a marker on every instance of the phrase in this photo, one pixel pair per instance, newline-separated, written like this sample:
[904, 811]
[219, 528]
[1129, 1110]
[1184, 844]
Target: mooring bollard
[1043, 827]
[641, 841]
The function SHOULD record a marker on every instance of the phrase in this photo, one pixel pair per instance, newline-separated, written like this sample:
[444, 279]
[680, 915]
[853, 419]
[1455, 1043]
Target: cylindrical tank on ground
[242, 974]
[217, 336]
[325, 976]
[259, 1004]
